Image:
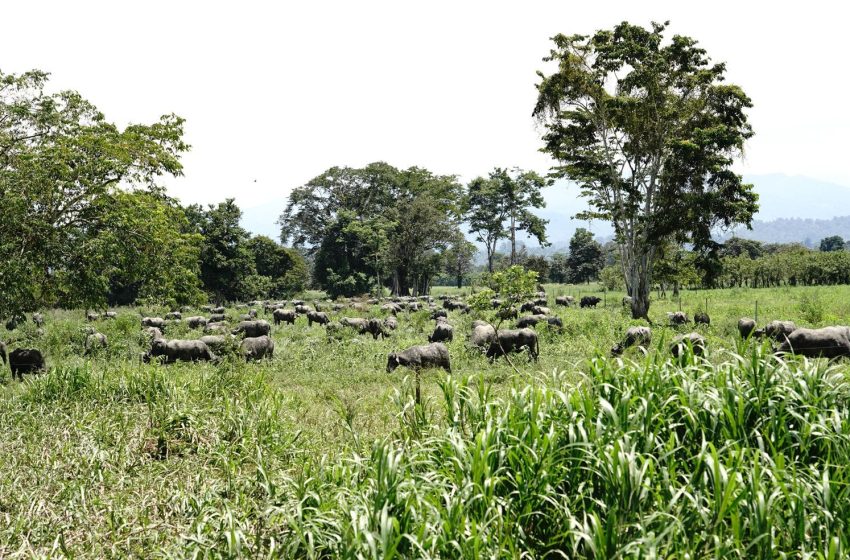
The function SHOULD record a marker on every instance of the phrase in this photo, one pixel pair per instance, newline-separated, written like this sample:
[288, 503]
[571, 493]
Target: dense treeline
[83, 222]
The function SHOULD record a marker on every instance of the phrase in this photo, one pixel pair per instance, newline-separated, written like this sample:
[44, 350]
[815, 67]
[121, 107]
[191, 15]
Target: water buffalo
[179, 350]
[526, 306]
[677, 318]
[641, 336]
[196, 322]
[828, 342]
[693, 339]
[437, 313]
[38, 319]
[391, 323]
[434, 355]
[153, 322]
[529, 321]
[216, 327]
[589, 301]
[92, 316]
[376, 328]
[219, 310]
[257, 348]
[2, 351]
[357, 323]
[217, 343]
[508, 341]
[302, 309]
[95, 341]
[540, 310]
[746, 327]
[317, 317]
[152, 332]
[217, 318]
[25, 360]
[110, 315]
[284, 316]
[174, 316]
[483, 334]
[442, 332]
[627, 301]
[393, 308]
[702, 318]
[779, 330]
[566, 301]
[253, 329]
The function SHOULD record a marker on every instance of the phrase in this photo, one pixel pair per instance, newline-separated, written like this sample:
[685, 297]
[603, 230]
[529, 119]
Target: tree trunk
[459, 281]
[513, 240]
[639, 283]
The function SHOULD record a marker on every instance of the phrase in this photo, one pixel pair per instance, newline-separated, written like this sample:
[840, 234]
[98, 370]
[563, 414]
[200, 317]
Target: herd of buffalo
[252, 336]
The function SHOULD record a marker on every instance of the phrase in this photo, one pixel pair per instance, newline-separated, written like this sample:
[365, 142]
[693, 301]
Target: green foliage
[612, 278]
[376, 222]
[585, 260]
[60, 162]
[226, 257]
[832, 243]
[281, 272]
[499, 206]
[649, 130]
[513, 285]
[559, 269]
[458, 258]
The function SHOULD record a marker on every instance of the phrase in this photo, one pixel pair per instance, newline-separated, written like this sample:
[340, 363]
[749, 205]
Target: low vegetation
[319, 452]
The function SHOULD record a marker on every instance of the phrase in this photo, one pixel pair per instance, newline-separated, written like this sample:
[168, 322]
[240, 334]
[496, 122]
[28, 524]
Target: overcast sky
[275, 93]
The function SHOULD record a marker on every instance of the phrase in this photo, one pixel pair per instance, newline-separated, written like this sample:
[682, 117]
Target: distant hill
[791, 208]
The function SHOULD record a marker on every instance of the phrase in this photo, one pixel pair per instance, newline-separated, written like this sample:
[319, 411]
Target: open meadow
[319, 452]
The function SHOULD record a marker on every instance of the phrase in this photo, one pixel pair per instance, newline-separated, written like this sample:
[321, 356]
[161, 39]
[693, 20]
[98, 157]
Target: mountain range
[791, 209]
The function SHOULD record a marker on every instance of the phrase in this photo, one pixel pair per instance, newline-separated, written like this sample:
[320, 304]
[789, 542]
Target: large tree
[586, 259]
[59, 159]
[458, 258]
[499, 206]
[226, 258]
[649, 130]
[375, 222]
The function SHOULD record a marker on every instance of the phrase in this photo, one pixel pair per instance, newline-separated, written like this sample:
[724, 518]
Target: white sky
[278, 92]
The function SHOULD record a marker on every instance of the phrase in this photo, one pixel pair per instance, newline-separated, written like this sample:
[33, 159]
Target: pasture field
[320, 453]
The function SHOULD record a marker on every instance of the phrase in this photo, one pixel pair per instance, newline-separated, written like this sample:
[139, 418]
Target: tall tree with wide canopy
[375, 222]
[499, 206]
[59, 158]
[649, 130]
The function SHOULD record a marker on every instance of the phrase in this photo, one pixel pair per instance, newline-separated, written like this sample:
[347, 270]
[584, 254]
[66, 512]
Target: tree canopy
[649, 131]
[60, 161]
[377, 222]
[499, 206]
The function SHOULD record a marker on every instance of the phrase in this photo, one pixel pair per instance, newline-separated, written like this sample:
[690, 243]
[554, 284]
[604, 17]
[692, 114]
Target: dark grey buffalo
[375, 327]
[174, 316]
[179, 350]
[2, 352]
[779, 330]
[434, 355]
[514, 340]
[638, 335]
[196, 322]
[25, 360]
[302, 309]
[442, 332]
[746, 327]
[95, 341]
[357, 323]
[627, 301]
[390, 323]
[702, 318]
[157, 322]
[38, 319]
[677, 318]
[694, 340]
[437, 313]
[483, 334]
[92, 316]
[540, 310]
[216, 327]
[317, 317]
[257, 348]
[152, 332]
[219, 310]
[110, 315]
[253, 329]
[566, 301]
[217, 318]
[828, 342]
[532, 320]
[284, 316]
[217, 342]
[589, 301]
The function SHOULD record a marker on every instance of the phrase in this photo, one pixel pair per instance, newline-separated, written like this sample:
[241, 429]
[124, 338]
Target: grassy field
[320, 453]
